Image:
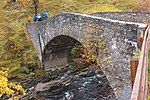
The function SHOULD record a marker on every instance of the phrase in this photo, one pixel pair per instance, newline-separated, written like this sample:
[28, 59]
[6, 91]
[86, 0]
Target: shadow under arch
[57, 50]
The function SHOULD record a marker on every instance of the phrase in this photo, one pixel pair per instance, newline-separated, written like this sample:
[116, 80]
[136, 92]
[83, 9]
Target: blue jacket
[35, 18]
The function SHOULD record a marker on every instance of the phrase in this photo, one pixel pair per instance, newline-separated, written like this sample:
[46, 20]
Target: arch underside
[56, 52]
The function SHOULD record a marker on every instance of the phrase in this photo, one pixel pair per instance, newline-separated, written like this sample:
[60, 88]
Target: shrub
[11, 88]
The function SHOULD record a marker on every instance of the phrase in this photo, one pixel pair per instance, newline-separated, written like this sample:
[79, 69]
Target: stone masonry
[137, 16]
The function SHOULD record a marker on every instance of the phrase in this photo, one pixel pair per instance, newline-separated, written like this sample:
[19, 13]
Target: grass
[84, 6]
[17, 52]
[137, 54]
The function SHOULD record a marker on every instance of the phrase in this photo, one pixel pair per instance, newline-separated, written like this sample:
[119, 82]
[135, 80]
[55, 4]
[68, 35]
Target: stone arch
[57, 50]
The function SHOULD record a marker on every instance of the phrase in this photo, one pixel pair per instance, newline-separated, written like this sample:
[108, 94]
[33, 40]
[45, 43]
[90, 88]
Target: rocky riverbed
[70, 83]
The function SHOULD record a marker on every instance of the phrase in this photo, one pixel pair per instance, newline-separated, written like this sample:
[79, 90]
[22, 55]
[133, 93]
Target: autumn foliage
[24, 2]
[94, 48]
[12, 89]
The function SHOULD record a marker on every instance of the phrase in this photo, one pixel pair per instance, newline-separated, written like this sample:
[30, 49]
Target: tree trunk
[35, 3]
[13, 0]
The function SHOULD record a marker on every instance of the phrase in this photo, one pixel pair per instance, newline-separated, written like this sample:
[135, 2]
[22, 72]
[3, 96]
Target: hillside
[17, 51]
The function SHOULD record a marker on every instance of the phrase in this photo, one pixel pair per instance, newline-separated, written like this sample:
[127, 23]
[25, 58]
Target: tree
[13, 0]
[35, 3]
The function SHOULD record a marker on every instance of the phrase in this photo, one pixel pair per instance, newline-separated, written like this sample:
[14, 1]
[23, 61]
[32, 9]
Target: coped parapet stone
[137, 16]
[54, 38]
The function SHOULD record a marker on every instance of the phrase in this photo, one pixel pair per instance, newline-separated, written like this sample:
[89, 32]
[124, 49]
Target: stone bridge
[54, 39]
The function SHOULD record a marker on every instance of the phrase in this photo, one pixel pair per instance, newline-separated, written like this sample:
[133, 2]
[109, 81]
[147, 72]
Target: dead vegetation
[144, 5]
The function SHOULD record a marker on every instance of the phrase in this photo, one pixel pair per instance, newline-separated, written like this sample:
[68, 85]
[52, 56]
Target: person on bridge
[35, 18]
[29, 19]
[40, 18]
[46, 16]
[42, 15]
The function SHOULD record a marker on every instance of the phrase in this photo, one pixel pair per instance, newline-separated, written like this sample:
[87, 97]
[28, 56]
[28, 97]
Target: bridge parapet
[137, 16]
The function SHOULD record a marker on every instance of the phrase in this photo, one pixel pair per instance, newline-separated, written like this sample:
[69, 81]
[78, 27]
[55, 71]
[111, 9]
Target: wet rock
[83, 84]
[5, 97]
[87, 74]
[52, 87]
[30, 83]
